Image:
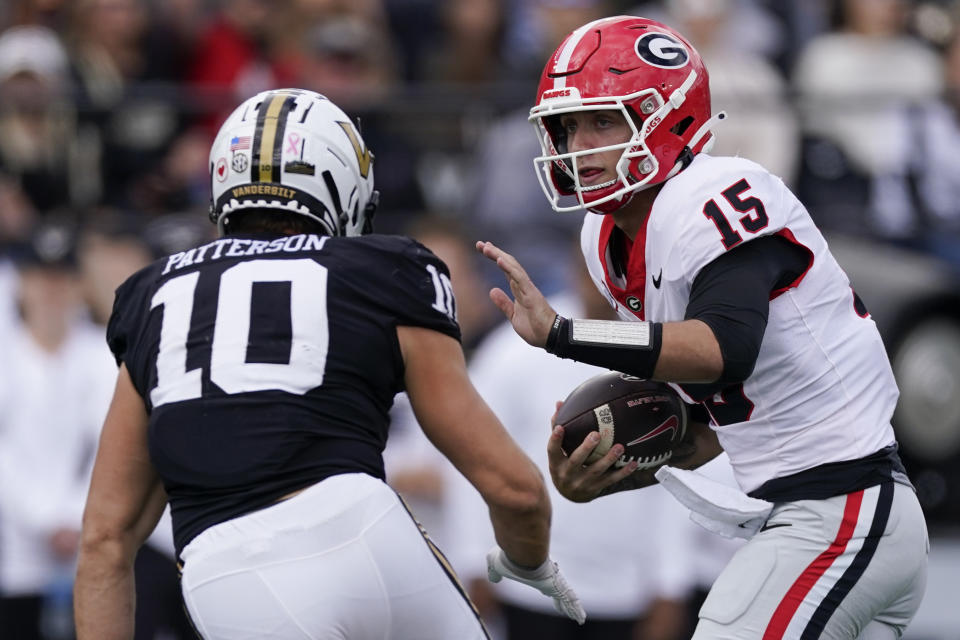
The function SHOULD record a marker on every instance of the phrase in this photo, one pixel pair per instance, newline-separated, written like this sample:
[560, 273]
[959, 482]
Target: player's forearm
[673, 351]
[515, 493]
[103, 593]
[524, 535]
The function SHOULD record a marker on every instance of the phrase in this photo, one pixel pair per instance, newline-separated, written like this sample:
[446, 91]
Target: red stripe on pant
[804, 583]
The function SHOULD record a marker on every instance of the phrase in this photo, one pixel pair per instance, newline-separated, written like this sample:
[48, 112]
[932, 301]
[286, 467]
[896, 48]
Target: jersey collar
[631, 295]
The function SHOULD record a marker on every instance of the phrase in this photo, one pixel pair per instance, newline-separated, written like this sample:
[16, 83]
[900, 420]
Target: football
[648, 418]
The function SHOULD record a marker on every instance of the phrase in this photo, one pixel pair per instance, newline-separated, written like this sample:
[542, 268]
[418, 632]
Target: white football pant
[344, 559]
[848, 567]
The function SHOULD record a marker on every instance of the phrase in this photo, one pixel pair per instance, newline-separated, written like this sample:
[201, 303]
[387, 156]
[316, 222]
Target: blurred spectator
[416, 27]
[350, 59]
[17, 213]
[918, 197]
[504, 202]
[850, 84]
[8, 292]
[348, 55]
[38, 145]
[47, 13]
[122, 60]
[180, 180]
[110, 249]
[536, 27]
[471, 43]
[760, 125]
[233, 56]
[751, 28]
[183, 18]
[55, 385]
[341, 48]
[508, 207]
[314, 11]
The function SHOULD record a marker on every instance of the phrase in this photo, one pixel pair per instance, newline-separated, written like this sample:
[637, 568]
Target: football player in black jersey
[256, 373]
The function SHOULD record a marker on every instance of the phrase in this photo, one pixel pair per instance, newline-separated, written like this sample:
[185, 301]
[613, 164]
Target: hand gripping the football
[546, 578]
[579, 481]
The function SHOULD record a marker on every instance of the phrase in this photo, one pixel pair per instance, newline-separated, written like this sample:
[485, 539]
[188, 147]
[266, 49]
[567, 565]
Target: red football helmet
[647, 71]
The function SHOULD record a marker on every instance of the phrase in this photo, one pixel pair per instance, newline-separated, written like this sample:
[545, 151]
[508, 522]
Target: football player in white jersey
[256, 376]
[728, 292]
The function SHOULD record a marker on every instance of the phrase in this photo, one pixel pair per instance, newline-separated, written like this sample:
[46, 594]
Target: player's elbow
[107, 545]
[523, 496]
[739, 345]
[737, 371]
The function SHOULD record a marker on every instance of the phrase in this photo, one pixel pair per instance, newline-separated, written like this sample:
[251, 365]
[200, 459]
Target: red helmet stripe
[565, 53]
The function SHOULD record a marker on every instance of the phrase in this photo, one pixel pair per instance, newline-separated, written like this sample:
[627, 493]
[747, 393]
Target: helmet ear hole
[679, 128]
[369, 211]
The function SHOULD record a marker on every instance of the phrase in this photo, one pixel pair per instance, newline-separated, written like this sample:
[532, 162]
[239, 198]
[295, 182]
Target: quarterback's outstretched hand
[529, 312]
[546, 578]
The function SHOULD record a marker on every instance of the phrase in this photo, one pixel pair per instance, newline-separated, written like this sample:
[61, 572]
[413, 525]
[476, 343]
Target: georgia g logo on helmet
[662, 50]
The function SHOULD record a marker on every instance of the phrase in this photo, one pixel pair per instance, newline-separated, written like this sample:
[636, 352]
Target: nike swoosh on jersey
[774, 526]
[656, 279]
[670, 424]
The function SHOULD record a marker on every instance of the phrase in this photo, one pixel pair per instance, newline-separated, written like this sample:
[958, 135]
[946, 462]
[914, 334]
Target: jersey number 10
[229, 369]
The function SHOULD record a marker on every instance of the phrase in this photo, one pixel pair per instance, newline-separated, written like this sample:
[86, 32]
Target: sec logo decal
[239, 162]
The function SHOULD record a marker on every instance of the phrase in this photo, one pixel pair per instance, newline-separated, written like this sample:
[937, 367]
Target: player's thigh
[426, 599]
[799, 574]
[289, 597]
[893, 584]
[879, 631]
[342, 560]
[281, 570]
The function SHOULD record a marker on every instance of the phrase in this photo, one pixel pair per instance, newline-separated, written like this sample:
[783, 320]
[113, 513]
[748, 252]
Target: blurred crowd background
[108, 109]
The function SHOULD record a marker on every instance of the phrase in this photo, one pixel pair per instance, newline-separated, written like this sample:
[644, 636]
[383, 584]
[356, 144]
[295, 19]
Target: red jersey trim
[636, 265]
[786, 234]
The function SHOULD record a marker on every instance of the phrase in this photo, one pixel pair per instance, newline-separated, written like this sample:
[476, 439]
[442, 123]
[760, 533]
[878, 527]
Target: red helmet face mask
[653, 77]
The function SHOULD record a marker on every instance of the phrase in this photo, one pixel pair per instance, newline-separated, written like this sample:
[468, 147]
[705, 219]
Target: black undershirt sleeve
[732, 296]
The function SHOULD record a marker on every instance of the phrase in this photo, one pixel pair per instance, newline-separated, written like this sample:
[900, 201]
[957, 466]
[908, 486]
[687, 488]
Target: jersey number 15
[754, 220]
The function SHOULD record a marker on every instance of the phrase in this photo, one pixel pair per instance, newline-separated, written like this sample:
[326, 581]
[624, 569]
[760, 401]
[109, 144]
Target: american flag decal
[239, 143]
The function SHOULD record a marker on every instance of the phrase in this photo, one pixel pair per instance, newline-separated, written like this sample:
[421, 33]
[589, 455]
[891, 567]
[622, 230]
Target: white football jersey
[822, 389]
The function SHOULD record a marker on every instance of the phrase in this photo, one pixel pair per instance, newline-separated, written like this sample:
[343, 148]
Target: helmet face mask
[647, 72]
[558, 168]
[293, 151]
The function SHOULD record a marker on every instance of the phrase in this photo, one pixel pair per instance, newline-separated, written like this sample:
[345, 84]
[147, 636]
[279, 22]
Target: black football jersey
[269, 363]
